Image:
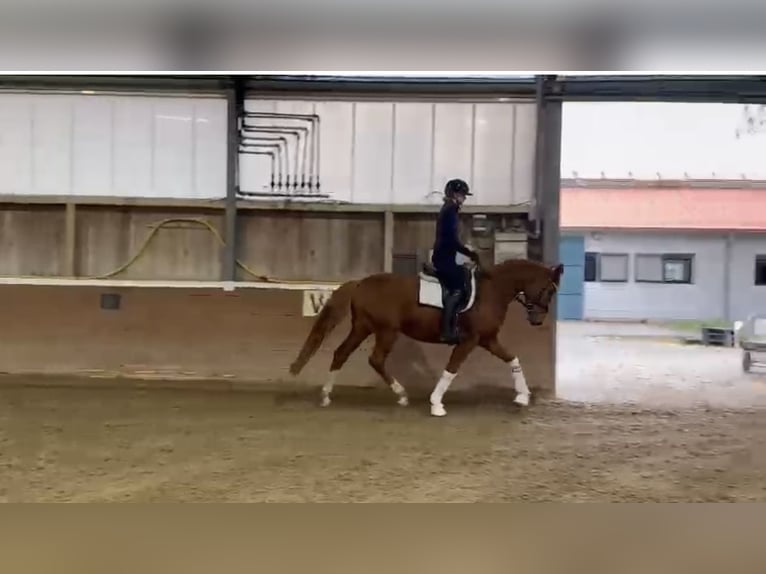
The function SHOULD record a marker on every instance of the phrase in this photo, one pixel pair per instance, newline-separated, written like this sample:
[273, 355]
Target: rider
[446, 246]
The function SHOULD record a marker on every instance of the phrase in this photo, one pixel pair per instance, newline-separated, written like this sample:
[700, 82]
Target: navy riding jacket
[447, 246]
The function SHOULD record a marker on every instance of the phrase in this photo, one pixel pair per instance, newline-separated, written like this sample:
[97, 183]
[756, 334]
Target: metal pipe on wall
[315, 120]
[292, 132]
[264, 194]
[273, 151]
[259, 141]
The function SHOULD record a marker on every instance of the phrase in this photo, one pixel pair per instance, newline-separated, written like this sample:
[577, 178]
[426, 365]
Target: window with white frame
[664, 268]
[606, 267]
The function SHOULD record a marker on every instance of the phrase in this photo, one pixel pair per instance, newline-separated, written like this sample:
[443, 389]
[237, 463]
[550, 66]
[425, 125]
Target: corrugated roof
[669, 208]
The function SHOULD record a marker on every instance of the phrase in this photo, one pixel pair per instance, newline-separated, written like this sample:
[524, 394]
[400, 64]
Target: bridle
[545, 294]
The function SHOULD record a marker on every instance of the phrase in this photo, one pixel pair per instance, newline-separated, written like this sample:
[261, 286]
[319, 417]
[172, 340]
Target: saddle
[428, 272]
[431, 292]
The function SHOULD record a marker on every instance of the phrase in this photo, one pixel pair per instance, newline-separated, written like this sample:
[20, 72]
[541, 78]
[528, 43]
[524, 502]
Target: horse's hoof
[522, 400]
[438, 411]
[403, 401]
[325, 402]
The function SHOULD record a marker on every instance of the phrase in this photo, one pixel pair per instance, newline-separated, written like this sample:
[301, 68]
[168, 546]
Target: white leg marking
[401, 393]
[327, 388]
[519, 383]
[437, 408]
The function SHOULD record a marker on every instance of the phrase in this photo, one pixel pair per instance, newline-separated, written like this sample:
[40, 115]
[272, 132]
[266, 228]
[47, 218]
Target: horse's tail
[331, 315]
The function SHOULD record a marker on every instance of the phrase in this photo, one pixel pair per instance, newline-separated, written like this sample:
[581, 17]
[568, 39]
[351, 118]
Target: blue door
[570, 297]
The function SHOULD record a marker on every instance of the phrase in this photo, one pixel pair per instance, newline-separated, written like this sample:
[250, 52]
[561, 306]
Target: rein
[521, 297]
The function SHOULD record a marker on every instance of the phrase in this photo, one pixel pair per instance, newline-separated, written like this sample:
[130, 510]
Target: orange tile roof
[664, 208]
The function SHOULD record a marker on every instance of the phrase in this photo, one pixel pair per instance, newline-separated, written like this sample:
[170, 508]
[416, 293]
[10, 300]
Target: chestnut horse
[385, 305]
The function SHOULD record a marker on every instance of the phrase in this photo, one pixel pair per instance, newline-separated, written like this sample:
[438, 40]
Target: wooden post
[70, 240]
[388, 241]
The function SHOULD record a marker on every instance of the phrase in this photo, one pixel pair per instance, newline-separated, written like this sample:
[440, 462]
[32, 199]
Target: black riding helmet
[456, 186]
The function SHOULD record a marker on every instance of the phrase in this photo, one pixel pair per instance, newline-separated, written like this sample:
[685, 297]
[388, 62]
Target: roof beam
[670, 88]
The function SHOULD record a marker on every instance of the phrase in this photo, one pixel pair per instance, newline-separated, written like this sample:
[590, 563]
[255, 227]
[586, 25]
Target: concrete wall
[32, 240]
[249, 335]
[723, 285]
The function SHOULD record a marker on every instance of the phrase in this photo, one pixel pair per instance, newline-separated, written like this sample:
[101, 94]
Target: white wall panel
[15, 144]
[136, 146]
[133, 146]
[336, 144]
[493, 153]
[412, 155]
[402, 151]
[293, 107]
[174, 148]
[210, 151]
[52, 145]
[373, 146]
[453, 142]
[524, 153]
[93, 146]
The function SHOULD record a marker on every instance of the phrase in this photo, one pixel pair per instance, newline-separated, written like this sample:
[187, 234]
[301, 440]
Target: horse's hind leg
[384, 342]
[350, 344]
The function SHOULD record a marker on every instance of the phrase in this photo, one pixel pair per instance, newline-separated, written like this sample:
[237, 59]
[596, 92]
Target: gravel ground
[637, 420]
[624, 363]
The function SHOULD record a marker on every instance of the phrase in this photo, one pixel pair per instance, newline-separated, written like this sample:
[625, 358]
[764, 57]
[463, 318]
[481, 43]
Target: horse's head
[537, 291]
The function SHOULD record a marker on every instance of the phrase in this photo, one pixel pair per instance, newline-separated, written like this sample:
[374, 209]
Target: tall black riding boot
[449, 332]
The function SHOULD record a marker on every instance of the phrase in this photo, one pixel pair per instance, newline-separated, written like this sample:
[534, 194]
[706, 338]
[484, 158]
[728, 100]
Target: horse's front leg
[519, 381]
[457, 358]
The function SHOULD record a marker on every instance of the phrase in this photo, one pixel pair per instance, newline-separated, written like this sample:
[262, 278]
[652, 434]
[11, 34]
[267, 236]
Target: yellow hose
[206, 224]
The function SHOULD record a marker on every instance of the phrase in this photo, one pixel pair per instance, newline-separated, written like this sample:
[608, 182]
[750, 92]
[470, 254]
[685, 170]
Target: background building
[663, 251]
[663, 210]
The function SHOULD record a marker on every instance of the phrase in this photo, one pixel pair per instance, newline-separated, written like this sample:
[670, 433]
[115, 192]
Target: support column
[550, 188]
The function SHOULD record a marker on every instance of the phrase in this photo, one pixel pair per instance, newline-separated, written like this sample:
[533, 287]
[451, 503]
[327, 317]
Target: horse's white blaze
[437, 408]
[327, 388]
[519, 383]
[400, 392]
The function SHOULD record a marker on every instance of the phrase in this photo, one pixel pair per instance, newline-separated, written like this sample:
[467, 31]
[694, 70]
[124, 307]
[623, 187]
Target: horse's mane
[511, 264]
